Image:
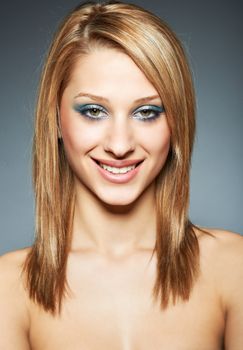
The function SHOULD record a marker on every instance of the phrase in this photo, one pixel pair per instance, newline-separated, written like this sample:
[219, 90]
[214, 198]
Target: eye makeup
[148, 112]
[97, 112]
[90, 111]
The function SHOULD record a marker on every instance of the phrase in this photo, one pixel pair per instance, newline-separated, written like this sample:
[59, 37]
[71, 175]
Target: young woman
[116, 263]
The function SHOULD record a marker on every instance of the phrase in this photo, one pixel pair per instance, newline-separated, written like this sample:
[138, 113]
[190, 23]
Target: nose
[119, 138]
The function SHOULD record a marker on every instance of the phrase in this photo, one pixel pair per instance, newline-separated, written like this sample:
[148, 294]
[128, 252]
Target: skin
[121, 211]
[109, 268]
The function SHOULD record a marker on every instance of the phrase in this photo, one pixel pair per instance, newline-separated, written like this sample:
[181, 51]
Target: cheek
[156, 141]
[77, 135]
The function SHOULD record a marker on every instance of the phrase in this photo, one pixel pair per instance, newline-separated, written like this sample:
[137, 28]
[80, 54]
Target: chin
[118, 198]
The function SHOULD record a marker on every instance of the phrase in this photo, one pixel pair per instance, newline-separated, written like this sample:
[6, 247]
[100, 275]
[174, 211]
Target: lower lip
[118, 178]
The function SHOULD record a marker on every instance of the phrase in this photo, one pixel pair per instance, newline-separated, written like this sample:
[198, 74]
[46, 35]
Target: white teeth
[117, 170]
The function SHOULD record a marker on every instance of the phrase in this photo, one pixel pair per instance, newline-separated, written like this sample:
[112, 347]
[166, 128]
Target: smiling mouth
[118, 170]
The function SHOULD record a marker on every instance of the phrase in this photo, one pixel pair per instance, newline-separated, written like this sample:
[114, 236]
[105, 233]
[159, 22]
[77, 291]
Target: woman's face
[113, 126]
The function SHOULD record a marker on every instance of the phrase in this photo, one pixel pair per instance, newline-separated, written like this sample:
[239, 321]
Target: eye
[148, 113]
[91, 111]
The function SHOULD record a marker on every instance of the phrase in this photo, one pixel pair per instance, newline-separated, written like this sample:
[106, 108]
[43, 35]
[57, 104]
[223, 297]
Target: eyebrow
[100, 98]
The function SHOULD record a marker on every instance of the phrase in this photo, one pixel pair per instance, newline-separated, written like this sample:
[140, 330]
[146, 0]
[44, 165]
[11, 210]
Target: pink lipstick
[111, 171]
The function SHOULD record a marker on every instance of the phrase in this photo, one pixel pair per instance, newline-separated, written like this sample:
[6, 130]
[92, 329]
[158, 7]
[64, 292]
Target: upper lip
[118, 163]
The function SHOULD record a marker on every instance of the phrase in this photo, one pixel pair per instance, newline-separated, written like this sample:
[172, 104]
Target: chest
[111, 307]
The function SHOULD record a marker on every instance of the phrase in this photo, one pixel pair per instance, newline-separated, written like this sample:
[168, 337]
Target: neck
[113, 231]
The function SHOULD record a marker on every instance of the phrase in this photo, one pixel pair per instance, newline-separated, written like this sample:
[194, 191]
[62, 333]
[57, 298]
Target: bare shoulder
[223, 252]
[221, 242]
[14, 258]
[11, 279]
[11, 267]
[14, 313]
[229, 258]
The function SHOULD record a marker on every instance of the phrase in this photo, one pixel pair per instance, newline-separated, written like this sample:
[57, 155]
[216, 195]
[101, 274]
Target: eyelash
[83, 109]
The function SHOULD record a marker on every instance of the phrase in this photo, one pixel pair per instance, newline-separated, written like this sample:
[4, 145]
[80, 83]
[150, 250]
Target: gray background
[211, 32]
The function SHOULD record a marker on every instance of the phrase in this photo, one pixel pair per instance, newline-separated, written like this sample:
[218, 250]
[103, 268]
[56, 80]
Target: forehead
[109, 73]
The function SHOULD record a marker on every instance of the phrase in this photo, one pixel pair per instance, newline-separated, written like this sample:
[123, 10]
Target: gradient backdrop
[211, 32]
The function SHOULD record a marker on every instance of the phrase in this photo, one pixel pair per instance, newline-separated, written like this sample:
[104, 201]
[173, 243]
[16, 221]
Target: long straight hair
[158, 53]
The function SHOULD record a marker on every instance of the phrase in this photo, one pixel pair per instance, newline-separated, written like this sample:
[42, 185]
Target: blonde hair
[158, 53]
